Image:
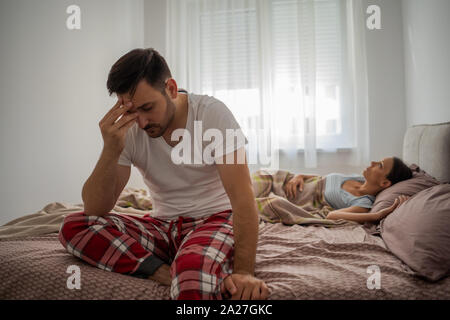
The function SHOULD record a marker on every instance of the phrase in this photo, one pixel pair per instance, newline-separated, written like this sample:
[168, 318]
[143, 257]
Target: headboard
[428, 146]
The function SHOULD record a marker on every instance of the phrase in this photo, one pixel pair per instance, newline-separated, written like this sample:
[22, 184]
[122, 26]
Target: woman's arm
[361, 215]
[357, 214]
[296, 183]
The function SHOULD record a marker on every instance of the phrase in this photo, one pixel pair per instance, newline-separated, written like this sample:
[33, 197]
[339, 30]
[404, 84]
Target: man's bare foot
[162, 275]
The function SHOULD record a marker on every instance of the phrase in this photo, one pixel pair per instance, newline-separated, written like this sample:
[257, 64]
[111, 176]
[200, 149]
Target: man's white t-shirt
[188, 189]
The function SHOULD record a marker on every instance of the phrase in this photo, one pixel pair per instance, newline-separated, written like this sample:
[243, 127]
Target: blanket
[308, 207]
[296, 262]
[132, 201]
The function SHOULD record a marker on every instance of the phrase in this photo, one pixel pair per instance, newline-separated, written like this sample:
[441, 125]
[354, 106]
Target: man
[201, 236]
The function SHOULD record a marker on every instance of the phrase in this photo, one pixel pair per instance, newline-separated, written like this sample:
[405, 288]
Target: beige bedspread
[131, 201]
[309, 207]
[296, 262]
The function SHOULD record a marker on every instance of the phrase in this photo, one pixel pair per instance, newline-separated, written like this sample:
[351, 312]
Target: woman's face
[377, 172]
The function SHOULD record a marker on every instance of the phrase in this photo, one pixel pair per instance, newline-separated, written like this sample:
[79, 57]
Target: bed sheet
[296, 262]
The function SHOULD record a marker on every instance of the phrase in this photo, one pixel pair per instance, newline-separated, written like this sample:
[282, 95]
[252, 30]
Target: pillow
[419, 181]
[418, 232]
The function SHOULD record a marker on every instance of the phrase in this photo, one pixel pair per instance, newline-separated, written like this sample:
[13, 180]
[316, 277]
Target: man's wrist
[244, 272]
[110, 154]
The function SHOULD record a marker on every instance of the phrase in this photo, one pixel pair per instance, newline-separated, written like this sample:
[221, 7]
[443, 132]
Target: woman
[352, 196]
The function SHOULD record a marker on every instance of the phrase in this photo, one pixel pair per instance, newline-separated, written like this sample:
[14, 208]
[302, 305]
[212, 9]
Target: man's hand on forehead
[125, 101]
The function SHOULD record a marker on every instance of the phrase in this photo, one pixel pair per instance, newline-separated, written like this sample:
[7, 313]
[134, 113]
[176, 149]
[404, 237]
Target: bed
[296, 262]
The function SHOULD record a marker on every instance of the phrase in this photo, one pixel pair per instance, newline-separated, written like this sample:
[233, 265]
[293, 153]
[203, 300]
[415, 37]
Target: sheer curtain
[291, 71]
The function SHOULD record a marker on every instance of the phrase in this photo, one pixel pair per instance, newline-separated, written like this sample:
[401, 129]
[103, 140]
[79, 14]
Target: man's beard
[157, 130]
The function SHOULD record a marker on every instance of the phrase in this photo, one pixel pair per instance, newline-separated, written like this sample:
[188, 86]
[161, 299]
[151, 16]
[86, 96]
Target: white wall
[155, 25]
[387, 123]
[53, 90]
[427, 60]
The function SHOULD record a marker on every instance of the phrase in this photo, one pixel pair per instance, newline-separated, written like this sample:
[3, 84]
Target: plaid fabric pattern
[199, 251]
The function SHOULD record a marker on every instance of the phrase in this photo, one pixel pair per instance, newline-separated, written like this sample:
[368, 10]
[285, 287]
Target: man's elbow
[96, 210]
[95, 206]
[245, 201]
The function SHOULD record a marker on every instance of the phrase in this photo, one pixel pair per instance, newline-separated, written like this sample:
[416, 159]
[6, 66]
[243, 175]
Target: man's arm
[102, 188]
[237, 183]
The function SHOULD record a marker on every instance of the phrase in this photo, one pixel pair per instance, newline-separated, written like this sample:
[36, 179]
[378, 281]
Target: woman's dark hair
[399, 172]
[134, 66]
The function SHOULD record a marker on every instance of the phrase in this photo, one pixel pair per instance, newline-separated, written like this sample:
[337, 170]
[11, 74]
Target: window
[294, 49]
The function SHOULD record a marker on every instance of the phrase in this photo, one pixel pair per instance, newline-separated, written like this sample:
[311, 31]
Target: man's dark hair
[134, 66]
[399, 172]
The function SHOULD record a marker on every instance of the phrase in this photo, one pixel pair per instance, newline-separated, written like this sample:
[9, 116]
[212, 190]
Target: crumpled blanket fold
[308, 208]
[132, 201]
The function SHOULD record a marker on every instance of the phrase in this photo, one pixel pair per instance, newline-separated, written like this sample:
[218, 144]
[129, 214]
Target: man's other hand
[244, 287]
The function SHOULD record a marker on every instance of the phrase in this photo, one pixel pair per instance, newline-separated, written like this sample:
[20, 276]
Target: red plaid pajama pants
[199, 251]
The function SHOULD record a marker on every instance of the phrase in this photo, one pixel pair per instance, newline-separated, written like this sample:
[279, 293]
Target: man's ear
[171, 88]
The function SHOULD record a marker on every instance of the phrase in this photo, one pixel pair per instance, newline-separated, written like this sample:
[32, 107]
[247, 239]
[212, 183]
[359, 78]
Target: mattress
[296, 262]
